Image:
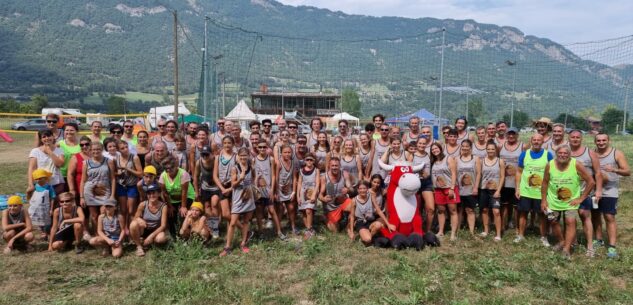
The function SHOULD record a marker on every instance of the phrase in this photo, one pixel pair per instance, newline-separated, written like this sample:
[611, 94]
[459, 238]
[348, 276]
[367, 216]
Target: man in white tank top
[414, 131]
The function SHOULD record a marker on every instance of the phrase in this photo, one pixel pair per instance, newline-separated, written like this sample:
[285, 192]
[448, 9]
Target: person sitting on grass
[68, 226]
[195, 223]
[365, 207]
[16, 225]
[109, 230]
[150, 221]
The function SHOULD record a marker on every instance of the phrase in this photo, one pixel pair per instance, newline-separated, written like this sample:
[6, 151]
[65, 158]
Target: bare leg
[441, 218]
[585, 217]
[522, 223]
[497, 218]
[429, 206]
[570, 234]
[275, 217]
[611, 228]
[596, 219]
[452, 209]
[485, 219]
[470, 217]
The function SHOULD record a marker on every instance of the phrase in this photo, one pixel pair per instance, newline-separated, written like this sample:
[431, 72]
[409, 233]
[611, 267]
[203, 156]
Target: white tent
[157, 113]
[343, 116]
[241, 112]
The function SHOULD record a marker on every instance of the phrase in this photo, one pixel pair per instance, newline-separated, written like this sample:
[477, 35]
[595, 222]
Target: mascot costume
[404, 210]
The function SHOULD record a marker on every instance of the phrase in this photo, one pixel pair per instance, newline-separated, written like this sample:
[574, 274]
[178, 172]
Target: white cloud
[562, 21]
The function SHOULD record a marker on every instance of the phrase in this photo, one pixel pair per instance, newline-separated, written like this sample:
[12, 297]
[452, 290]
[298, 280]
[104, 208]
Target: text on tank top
[511, 159]
[466, 175]
[490, 174]
[441, 174]
[563, 186]
[308, 183]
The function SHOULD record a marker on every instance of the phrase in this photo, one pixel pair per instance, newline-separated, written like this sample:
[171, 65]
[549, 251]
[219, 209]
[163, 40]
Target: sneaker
[597, 243]
[483, 234]
[518, 239]
[282, 236]
[591, 253]
[269, 224]
[567, 256]
[510, 225]
[497, 238]
[296, 231]
[612, 252]
[557, 247]
[307, 234]
[79, 249]
[215, 234]
[86, 236]
[545, 242]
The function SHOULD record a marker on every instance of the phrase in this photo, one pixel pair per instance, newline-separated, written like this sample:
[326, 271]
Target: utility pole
[205, 66]
[467, 92]
[626, 106]
[176, 65]
[441, 78]
[514, 76]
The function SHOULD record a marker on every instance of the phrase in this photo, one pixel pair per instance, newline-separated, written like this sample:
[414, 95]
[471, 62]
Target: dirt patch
[14, 152]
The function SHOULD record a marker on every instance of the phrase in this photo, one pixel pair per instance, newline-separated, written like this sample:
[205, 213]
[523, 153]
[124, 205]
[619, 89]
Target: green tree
[475, 111]
[572, 121]
[612, 118]
[521, 119]
[351, 102]
[115, 104]
[39, 102]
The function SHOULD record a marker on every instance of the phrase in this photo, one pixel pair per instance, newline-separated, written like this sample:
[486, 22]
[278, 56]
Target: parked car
[32, 124]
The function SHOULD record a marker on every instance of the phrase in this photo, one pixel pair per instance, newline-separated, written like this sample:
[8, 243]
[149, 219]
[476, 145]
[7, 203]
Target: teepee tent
[241, 112]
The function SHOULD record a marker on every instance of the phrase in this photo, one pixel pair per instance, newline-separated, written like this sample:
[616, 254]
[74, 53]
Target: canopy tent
[426, 118]
[241, 112]
[332, 122]
[157, 113]
[272, 117]
[191, 118]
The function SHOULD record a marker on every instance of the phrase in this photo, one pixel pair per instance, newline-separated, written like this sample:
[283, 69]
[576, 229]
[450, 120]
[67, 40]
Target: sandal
[226, 251]
[140, 252]
[245, 249]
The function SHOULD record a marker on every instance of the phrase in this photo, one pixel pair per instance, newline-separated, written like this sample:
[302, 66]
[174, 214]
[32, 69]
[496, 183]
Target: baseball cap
[197, 205]
[512, 129]
[206, 150]
[14, 200]
[41, 173]
[150, 169]
[152, 188]
[110, 203]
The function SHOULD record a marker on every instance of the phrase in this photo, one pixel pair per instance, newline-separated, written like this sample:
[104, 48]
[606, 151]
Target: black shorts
[426, 185]
[487, 200]
[529, 204]
[360, 224]
[508, 196]
[65, 234]
[207, 195]
[608, 205]
[264, 201]
[148, 232]
[469, 201]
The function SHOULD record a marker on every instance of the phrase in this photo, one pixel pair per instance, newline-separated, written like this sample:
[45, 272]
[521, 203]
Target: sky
[562, 21]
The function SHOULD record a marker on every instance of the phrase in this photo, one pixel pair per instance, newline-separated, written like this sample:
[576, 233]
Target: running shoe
[282, 236]
[483, 234]
[518, 239]
[215, 233]
[497, 238]
[612, 252]
[296, 231]
[597, 243]
[545, 242]
[79, 249]
[567, 255]
[269, 224]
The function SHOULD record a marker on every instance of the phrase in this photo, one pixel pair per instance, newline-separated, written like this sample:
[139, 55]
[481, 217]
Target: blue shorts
[587, 204]
[264, 202]
[608, 205]
[426, 185]
[529, 204]
[126, 191]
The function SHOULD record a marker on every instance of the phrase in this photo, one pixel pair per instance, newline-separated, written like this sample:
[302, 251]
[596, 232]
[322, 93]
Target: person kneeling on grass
[363, 218]
[335, 187]
[150, 221]
[16, 225]
[242, 178]
[195, 223]
[560, 195]
[109, 230]
[68, 226]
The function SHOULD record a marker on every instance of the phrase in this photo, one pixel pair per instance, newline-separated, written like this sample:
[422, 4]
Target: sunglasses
[51, 121]
[266, 125]
[205, 155]
[66, 201]
[168, 168]
[84, 144]
[311, 160]
[128, 126]
[301, 142]
[292, 127]
[262, 147]
[220, 124]
[117, 132]
[161, 126]
[342, 126]
[384, 129]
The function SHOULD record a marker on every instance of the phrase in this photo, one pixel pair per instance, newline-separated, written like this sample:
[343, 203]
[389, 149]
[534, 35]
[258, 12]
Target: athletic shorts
[608, 205]
[568, 214]
[360, 224]
[426, 185]
[335, 215]
[264, 201]
[469, 201]
[126, 191]
[206, 195]
[148, 232]
[587, 204]
[487, 200]
[529, 204]
[508, 196]
[66, 234]
[441, 196]
[228, 196]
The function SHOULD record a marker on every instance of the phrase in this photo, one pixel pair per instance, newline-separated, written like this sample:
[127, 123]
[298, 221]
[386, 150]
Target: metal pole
[467, 91]
[282, 102]
[626, 105]
[176, 65]
[441, 78]
[223, 90]
[205, 72]
[514, 77]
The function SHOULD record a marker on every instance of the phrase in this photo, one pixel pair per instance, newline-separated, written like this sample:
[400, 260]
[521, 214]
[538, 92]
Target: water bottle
[594, 202]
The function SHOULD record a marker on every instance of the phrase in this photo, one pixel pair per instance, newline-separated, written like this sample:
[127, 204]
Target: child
[364, 209]
[40, 207]
[149, 178]
[206, 189]
[286, 186]
[109, 230]
[195, 223]
[243, 203]
[263, 165]
[68, 226]
[16, 225]
[309, 184]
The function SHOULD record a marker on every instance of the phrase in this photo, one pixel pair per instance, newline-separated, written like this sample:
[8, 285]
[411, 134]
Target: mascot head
[409, 183]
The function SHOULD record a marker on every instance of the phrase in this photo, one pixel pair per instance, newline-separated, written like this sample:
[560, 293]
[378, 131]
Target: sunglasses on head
[51, 121]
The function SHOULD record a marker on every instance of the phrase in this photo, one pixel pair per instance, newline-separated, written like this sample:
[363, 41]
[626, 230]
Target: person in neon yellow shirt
[561, 195]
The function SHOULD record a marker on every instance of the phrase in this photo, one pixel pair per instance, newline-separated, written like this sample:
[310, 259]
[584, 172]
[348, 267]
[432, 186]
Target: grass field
[328, 269]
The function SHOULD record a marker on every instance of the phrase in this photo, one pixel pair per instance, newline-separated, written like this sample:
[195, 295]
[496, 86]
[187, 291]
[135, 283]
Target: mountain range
[71, 47]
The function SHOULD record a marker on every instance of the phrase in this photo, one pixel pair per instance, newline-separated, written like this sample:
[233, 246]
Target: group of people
[142, 188]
